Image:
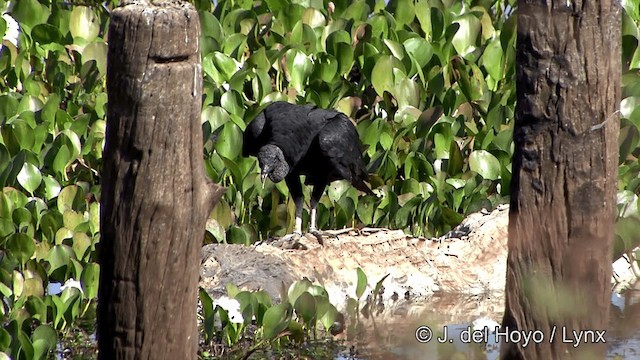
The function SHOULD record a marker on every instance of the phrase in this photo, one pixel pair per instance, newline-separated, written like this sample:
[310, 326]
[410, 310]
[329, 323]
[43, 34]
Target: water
[389, 338]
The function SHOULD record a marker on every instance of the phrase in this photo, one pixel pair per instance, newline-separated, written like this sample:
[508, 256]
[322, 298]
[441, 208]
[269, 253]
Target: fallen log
[469, 260]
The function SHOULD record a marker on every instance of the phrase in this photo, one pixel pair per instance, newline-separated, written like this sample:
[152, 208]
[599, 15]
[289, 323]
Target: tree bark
[155, 197]
[563, 193]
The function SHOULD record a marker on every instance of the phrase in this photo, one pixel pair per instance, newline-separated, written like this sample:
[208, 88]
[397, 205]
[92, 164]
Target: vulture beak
[263, 177]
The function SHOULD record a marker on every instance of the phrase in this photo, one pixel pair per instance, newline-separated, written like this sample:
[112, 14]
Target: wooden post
[563, 198]
[155, 197]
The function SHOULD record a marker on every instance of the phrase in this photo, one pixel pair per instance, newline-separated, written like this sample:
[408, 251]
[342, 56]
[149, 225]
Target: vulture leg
[316, 194]
[318, 191]
[295, 189]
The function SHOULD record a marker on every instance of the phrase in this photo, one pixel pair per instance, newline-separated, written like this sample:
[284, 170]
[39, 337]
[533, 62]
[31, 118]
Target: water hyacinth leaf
[237, 235]
[313, 17]
[299, 68]
[382, 77]
[96, 51]
[345, 55]
[303, 35]
[407, 93]
[423, 14]
[58, 257]
[464, 40]
[36, 306]
[46, 34]
[29, 177]
[397, 49]
[419, 49]
[328, 316]
[45, 339]
[327, 69]
[404, 12]
[305, 307]
[358, 10]
[485, 164]
[362, 282]
[81, 243]
[89, 279]
[225, 65]
[365, 210]
[628, 105]
[491, 59]
[84, 24]
[29, 103]
[456, 159]
[318, 291]
[51, 187]
[70, 198]
[231, 101]
[210, 26]
[30, 12]
[296, 289]
[276, 319]
[229, 141]
[337, 189]
[22, 246]
[402, 216]
[3, 31]
[26, 345]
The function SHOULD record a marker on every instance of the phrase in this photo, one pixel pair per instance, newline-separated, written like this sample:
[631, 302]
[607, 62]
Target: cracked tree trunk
[155, 197]
[564, 175]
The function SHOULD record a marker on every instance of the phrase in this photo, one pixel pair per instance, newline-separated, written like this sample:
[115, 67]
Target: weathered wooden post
[563, 192]
[155, 196]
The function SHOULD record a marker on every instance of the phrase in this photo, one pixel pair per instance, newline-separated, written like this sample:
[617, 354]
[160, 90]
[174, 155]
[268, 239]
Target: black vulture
[292, 140]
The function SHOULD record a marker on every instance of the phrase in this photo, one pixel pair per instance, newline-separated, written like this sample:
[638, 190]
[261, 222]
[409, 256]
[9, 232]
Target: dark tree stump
[155, 197]
[563, 197]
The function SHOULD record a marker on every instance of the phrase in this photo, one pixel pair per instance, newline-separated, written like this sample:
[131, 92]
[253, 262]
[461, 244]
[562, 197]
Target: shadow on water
[411, 331]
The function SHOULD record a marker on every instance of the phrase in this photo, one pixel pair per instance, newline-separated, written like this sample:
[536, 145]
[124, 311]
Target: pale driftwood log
[470, 260]
[155, 196]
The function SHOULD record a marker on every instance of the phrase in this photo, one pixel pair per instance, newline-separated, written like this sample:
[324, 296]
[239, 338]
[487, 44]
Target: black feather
[321, 144]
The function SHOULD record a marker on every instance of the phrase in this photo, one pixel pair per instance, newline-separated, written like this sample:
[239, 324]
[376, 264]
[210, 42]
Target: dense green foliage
[430, 84]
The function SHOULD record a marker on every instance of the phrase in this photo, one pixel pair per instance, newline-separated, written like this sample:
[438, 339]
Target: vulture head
[272, 163]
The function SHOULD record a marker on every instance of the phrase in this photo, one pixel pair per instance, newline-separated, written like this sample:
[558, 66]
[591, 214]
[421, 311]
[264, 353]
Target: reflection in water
[453, 325]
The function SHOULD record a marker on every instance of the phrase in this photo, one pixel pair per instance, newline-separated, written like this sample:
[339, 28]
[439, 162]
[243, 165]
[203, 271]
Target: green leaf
[420, 50]
[456, 160]
[296, 289]
[299, 68]
[90, 277]
[276, 319]
[51, 187]
[229, 142]
[329, 315]
[46, 34]
[70, 198]
[305, 307]
[45, 339]
[22, 246]
[29, 177]
[491, 59]
[382, 77]
[404, 12]
[225, 65]
[30, 12]
[485, 164]
[362, 283]
[358, 10]
[84, 23]
[81, 243]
